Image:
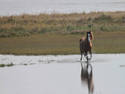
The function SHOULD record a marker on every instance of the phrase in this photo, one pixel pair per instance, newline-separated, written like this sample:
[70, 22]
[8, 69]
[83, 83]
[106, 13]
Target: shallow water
[15, 7]
[62, 74]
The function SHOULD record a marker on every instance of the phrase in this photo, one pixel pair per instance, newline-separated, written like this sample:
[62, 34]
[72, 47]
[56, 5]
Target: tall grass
[26, 25]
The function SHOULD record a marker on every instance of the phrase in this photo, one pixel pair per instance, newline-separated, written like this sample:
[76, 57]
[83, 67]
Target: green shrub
[103, 18]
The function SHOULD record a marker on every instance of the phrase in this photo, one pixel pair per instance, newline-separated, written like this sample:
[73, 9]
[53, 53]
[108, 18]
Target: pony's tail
[80, 40]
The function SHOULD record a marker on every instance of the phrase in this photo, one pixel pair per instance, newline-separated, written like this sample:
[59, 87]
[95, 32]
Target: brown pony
[86, 45]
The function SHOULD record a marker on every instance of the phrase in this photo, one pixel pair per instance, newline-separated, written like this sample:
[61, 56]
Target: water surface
[62, 74]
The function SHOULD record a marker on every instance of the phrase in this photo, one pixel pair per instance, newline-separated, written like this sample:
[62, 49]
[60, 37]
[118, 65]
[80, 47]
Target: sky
[8, 7]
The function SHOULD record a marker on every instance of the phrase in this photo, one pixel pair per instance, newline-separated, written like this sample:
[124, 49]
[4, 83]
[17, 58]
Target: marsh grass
[60, 33]
[6, 65]
[53, 43]
[26, 25]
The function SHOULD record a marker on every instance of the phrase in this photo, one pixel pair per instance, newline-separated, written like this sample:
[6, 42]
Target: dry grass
[26, 25]
[60, 33]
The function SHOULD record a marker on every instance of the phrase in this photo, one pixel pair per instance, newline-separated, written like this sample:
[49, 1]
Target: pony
[86, 45]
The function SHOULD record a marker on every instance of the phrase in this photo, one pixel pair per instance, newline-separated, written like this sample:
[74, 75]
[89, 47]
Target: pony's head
[89, 35]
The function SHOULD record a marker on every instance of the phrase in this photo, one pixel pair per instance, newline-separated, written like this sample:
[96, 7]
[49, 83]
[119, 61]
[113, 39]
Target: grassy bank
[60, 33]
[51, 43]
[26, 25]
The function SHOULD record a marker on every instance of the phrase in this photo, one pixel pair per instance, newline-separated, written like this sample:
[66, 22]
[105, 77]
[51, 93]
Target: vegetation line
[60, 33]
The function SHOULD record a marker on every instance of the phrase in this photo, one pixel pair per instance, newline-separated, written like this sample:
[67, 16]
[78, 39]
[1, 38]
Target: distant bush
[69, 28]
[123, 19]
[6, 65]
[77, 32]
[103, 18]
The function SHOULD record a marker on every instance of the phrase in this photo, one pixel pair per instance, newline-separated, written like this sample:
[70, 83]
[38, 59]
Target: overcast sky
[8, 7]
[64, 0]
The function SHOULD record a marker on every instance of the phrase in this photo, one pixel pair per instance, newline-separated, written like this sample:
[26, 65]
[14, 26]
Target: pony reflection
[87, 77]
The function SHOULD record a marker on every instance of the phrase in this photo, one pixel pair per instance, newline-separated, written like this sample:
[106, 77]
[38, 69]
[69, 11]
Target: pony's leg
[90, 54]
[86, 56]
